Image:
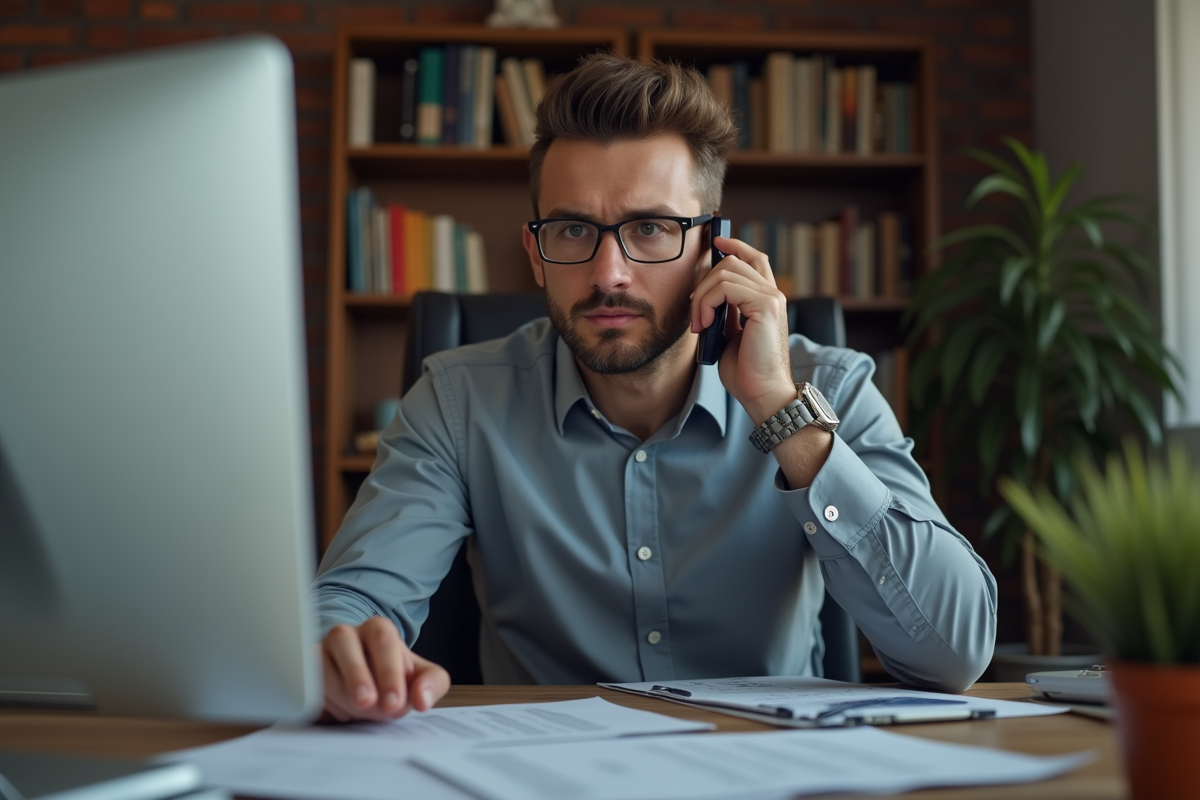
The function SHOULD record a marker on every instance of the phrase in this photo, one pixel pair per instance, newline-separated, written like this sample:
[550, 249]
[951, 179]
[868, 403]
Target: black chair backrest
[440, 321]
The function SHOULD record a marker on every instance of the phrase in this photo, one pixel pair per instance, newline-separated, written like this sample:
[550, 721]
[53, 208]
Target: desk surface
[83, 733]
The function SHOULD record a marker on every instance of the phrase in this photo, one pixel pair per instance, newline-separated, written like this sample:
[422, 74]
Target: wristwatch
[809, 408]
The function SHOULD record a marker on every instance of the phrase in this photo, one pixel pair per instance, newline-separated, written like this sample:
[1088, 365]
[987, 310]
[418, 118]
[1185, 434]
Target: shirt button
[654, 637]
[831, 513]
[810, 527]
[639, 456]
[644, 553]
[595, 413]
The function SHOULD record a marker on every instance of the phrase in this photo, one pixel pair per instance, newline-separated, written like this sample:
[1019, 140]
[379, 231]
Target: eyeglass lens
[643, 239]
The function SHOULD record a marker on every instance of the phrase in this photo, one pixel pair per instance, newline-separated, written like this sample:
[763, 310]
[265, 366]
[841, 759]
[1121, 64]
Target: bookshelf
[487, 188]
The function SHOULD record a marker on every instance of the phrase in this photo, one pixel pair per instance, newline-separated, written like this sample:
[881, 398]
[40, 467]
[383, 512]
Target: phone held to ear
[712, 338]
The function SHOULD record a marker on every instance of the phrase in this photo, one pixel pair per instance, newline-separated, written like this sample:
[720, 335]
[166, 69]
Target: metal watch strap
[791, 418]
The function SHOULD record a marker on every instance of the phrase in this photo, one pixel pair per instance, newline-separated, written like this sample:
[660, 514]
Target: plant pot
[1158, 718]
[1012, 662]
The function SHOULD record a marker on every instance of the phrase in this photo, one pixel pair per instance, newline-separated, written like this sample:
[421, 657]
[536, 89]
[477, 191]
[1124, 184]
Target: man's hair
[609, 98]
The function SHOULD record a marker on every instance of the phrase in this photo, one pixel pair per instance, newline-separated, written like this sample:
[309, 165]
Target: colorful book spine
[429, 96]
[451, 62]
[466, 94]
[485, 87]
[399, 252]
[360, 117]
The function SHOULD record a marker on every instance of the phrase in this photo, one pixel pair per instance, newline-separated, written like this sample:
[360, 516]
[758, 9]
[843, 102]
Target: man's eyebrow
[635, 213]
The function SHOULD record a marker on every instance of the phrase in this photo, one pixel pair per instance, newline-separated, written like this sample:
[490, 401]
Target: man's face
[617, 315]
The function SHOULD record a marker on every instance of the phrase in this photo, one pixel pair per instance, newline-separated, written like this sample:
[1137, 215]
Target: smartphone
[712, 338]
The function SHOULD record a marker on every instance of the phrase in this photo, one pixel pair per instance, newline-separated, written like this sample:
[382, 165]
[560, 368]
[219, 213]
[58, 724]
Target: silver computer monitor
[156, 526]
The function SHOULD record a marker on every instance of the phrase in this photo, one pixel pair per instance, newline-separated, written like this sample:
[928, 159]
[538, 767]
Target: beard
[613, 355]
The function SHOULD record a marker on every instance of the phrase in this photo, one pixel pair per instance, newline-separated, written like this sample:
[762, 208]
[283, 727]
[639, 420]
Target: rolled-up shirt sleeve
[917, 589]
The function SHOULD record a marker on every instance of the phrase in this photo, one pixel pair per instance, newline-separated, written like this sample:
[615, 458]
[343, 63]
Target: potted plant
[1034, 334]
[1130, 554]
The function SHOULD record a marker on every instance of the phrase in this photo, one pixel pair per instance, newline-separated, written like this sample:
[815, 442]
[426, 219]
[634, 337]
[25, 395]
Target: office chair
[439, 321]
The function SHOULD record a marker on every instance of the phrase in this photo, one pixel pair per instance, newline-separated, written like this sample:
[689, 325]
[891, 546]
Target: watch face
[819, 402]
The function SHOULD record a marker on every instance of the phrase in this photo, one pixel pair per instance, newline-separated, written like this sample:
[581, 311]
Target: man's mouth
[611, 317]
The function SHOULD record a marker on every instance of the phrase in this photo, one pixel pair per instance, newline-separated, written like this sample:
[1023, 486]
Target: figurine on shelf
[523, 14]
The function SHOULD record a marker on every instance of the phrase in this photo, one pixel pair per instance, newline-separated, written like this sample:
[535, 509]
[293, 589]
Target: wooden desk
[83, 733]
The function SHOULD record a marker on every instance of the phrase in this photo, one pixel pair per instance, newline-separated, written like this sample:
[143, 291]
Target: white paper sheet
[369, 761]
[780, 764]
[806, 698]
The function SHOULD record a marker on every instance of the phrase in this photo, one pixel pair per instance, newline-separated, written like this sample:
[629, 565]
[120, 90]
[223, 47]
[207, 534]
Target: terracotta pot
[1158, 717]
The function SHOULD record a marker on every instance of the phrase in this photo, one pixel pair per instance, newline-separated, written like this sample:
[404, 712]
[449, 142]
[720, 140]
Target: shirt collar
[708, 393]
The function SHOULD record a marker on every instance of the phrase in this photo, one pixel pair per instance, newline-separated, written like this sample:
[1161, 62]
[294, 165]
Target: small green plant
[1130, 552]
[1034, 334]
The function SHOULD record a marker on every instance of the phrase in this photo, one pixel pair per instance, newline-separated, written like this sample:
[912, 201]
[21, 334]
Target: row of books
[450, 95]
[843, 257]
[394, 250]
[809, 105]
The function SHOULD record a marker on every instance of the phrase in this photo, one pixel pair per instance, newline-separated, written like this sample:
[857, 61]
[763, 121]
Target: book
[360, 116]
[381, 254]
[833, 110]
[460, 256]
[802, 106]
[485, 87]
[429, 96]
[720, 80]
[451, 62]
[408, 100]
[397, 247]
[803, 274]
[889, 254]
[354, 280]
[477, 279]
[907, 256]
[849, 103]
[829, 278]
[508, 112]
[416, 264]
[758, 114]
[847, 224]
[864, 261]
[779, 73]
[741, 102]
[514, 74]
[466, 94]
[865, 124]
[534, 73]
[442, 260]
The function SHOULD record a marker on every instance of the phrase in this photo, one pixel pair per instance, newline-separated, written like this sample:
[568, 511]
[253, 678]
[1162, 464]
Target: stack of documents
[819, 703]
[582, 749]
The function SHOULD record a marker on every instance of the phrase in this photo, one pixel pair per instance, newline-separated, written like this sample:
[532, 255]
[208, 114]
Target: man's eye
[576, 230]
[648, 228]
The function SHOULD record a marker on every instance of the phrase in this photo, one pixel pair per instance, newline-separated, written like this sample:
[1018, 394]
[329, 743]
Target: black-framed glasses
[646, 240]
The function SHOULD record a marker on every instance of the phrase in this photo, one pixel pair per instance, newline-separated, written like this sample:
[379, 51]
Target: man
[620, 525]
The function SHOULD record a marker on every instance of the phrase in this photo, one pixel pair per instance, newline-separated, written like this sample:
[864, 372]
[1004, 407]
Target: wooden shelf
[356, 463]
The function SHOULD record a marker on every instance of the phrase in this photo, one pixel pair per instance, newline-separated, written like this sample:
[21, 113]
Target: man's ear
[535, 258]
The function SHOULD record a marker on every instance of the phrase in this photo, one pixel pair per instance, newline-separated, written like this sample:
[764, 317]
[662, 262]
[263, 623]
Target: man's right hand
[371, 674]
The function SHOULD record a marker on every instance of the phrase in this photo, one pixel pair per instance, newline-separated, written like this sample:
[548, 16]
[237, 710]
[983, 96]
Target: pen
[834, 709]
[671, 690]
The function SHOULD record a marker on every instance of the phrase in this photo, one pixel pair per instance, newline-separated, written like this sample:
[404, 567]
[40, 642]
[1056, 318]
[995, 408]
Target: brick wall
[983, 52]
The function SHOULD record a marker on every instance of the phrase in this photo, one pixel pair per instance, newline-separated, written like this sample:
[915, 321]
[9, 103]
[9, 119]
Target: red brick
[994, 54]
[953, 141]
[287, 13]
[58, 9]
[952, 82]
[312, 98]
[1005, 109]
[11, 62]
[934, 26]
[308, 42]
[107, 37]
[1025, 84]
[718, 21]
[994, 82]
[817, 22]
[373, 15]
[994, 27]
[314, 214]
[954, 109]
[224, 12]
[313, 68]
[960, 165]
[314, 183]
[14, 8]
[157, 37]
[38, 34]
[314, 154]
[465, 14]
[620, 16]
[159, 10]
[107, 9]
[312, 128]
[53, 59]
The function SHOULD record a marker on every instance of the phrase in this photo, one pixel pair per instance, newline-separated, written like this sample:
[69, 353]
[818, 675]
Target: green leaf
[974, 233]
[1050, 325]
[988, 358]
[956, 349]
[1035, 166]
[921, 374]
[1010, 275]
[996, 521]
[1145, 414]
[1084, 355]
[997, 183]
[1059, 191]
[991, 439]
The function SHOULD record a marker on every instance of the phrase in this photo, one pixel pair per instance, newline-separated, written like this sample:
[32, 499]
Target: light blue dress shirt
[599, 557]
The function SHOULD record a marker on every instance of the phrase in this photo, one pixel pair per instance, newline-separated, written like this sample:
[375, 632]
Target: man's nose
[611, 270]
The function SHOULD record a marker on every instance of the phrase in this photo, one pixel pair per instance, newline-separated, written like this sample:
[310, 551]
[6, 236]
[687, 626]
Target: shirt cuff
[844, 502]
